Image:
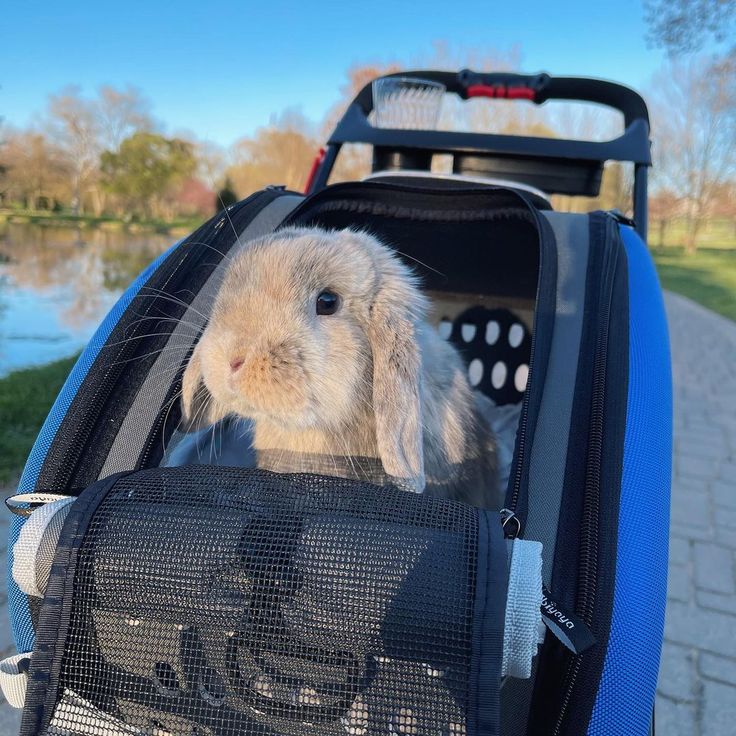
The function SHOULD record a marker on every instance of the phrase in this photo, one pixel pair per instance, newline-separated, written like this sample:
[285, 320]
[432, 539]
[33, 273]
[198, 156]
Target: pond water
[56, 285]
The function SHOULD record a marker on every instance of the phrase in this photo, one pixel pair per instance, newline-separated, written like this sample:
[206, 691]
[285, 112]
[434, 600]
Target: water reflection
[56, 284]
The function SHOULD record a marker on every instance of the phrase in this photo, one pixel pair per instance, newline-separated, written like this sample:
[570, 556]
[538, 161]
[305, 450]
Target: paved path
[697, 688]
[697, 682]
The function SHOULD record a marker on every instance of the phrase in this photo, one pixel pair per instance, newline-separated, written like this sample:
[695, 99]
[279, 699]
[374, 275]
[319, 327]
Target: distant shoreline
[178, 227]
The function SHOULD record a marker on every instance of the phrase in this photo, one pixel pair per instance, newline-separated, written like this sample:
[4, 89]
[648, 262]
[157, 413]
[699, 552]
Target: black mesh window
[229, 601]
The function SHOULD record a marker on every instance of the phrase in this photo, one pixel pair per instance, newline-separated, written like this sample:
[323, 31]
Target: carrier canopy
[470, 246]
[225, 601]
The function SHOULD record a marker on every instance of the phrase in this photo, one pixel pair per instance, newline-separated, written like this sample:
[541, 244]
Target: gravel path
[697, 683]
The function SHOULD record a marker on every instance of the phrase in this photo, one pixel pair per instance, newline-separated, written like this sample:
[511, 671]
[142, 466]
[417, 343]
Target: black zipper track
[588, 557]
[63, 460]
[545, 307]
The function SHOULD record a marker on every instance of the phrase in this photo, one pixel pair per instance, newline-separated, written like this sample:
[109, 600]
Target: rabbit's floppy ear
[397, 378]
[198, 406]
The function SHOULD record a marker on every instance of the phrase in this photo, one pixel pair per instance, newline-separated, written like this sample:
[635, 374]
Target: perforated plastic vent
[228, 601]
[496, 346]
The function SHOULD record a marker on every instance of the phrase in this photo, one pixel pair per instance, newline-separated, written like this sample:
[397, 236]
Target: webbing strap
[13, 681]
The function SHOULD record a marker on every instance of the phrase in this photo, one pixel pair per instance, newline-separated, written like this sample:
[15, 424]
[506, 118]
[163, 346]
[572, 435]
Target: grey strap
[33, 552]
[549, 450]
[521, 633]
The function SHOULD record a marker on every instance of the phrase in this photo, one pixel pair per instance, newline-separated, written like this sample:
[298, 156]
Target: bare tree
[211, 163]
[664, 207]
[75, 127]
[694, 121]
[120, 114]
[684, 26]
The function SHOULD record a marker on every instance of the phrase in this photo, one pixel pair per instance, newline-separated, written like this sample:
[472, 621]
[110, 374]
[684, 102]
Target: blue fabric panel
[20, 617]
[626, 695]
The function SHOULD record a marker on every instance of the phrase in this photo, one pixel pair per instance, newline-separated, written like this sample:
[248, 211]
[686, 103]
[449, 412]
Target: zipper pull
[23, 504]
[621, 217]
[510, 523]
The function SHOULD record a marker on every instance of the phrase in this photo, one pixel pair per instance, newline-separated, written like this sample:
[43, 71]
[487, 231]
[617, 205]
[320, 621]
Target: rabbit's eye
[327, 302]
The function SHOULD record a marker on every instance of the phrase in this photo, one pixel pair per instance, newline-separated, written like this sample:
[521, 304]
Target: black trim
[491, 584]
[91, 423]
[48, 651]
[585, 554]
[443, 260]
[544, 320]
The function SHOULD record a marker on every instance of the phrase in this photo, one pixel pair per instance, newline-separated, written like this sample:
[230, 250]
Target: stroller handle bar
[564, 166]
[537, 88]
[632, 145]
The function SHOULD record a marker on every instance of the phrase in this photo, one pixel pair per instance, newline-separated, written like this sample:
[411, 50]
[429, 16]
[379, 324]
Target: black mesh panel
[228, 601]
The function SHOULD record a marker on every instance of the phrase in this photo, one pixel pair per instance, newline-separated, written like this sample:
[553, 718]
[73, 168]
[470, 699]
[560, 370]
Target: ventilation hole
[263, 685]
[355, 722]
[516, 335]
[404, 723]
[468, 331]
[498, 375]
[166, 679]
[211, 687]
[521, 377]
[445, 329]
[493, 330]
[158, 729]
[305, 696]
[475, 371]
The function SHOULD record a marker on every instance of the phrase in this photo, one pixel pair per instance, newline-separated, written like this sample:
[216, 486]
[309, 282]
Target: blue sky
[222, 69]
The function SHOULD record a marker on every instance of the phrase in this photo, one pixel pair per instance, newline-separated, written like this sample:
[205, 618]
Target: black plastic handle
[537, 88]
[583, 158]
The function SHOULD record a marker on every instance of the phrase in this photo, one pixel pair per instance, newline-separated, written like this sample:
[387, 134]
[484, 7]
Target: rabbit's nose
[236, 363]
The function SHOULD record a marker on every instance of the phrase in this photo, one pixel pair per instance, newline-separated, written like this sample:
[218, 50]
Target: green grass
[715, 233]
[25, 399]
[707, 277]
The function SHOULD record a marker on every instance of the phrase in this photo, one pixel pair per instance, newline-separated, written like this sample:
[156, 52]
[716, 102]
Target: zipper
[83, 431]
[512, 520]
[588, 564]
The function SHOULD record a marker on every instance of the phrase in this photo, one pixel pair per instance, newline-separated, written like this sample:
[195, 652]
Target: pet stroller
[204, 599]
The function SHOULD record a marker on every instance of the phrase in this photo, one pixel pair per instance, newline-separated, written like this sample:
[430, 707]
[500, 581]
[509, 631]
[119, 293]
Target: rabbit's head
[316, 330]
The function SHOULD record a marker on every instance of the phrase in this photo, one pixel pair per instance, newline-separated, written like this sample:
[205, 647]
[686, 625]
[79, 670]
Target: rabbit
[320, 339]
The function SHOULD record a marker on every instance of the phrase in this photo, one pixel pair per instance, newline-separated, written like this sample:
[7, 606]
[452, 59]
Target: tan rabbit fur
[372, 380]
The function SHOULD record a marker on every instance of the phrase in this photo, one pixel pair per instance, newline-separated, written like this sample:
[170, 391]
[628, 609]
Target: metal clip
[509, 517]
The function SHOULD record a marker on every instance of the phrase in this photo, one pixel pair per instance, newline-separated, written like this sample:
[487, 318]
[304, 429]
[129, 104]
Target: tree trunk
[691, 236]
[96, 201]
